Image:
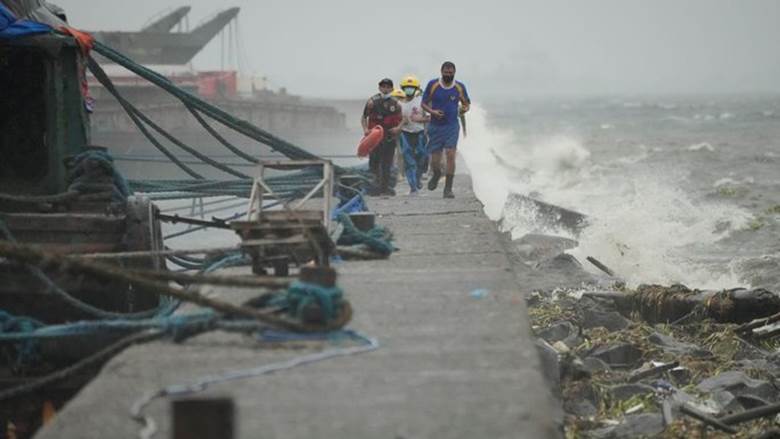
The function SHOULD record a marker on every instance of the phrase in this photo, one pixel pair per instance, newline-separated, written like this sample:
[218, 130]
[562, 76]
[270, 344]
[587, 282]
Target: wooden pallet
[294, 234]
[279, 239]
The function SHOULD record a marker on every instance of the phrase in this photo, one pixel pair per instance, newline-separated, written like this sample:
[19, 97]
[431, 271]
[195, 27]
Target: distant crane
[156, 44]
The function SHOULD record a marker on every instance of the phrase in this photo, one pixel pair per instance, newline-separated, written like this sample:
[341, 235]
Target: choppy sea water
[677, 189]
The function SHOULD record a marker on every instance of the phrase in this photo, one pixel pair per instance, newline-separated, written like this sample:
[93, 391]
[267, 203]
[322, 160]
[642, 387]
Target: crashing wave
[702, 146]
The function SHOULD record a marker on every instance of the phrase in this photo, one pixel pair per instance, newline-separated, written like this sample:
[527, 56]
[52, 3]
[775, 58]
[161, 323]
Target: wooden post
[323, 276]
[330, 186]
[203, 418]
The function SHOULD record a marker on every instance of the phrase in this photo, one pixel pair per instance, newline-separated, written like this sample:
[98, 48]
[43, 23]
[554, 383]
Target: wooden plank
[297, 239]
[292, 164]
[45, 237]
[267, 227]
[294, 215]
[75, 248]
[64, 222]
[255, 226]
[150, 253]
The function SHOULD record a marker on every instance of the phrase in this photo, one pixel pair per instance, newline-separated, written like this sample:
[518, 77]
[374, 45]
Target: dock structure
[456, 357]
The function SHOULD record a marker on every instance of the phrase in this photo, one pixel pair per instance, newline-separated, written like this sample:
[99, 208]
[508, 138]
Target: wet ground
[456, 356]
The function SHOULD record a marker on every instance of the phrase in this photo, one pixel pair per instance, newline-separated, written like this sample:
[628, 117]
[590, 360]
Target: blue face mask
[386, 95]
[410, 91]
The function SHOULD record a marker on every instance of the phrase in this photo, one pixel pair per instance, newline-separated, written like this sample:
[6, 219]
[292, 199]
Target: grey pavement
[450, 365]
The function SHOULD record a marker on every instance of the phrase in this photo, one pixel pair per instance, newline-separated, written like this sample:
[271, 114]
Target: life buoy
[370, 141]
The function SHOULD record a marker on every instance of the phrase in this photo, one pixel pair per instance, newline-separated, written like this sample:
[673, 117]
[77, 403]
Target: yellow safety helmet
[410, 81]
[398, 93]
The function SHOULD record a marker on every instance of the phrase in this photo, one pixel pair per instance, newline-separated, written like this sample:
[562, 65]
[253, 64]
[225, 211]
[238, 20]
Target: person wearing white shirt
[413, 140]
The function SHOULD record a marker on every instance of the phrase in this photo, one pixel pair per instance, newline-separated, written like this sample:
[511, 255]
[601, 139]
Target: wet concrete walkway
[454, 362]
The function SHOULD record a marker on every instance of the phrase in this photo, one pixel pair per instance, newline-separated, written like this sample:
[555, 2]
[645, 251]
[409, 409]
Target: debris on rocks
[658, 304]
[666, 362]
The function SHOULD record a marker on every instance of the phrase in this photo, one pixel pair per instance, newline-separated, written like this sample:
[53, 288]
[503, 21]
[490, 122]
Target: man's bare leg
[450, 176]
[436, 168]
[451, 154]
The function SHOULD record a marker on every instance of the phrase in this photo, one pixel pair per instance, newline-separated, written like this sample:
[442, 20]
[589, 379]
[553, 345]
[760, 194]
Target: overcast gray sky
[340, 48]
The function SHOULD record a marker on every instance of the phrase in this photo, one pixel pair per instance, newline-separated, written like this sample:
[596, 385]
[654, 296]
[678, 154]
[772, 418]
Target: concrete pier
[456, 359]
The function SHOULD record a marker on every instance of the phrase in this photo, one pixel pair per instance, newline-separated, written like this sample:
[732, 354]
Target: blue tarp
[11, 27]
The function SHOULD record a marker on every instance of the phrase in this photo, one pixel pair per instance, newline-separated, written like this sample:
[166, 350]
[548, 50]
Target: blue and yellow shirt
[446, 100]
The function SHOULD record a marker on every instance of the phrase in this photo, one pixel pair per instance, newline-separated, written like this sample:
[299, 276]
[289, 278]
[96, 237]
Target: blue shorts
[443, 136]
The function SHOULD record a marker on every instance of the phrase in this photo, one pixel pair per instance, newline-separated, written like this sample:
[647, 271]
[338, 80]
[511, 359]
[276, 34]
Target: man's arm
[426, 97]
[364, 118]
[434, 113]
[429, 109]
[465, 100]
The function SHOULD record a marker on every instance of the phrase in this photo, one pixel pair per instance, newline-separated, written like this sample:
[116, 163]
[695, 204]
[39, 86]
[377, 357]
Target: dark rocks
[622, 392]
[535, 247]
[672, 289]
[750, 402]
[539, 212]
[651, 370]
[566, 269]
[611, 320]
[581, 400]
[774, 359]
[671, 345]
[597, 303]
[633, 426]
[661, 304]
[756, 364]
[748, 353]
[620, 355]
[574, 369]
[551, 366]
[681, 376]
[564, 262]
[581, 407]
[680, 397]
[601, 379]
[560, 331]
[534, 299]
[593, 365]
[747, 302]
[738, 384]
[727, 401]
[731, 403]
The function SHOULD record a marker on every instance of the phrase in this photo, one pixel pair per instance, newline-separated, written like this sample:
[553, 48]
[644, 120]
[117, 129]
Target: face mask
[386, 95]
[410, 91]
[447, 79]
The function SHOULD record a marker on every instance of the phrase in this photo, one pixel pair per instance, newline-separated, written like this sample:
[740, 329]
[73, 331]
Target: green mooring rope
[193, 102]
[378, 239]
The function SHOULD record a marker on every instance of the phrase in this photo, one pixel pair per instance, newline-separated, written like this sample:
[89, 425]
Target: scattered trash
[629, 364]
[561, 347]
[635, 409]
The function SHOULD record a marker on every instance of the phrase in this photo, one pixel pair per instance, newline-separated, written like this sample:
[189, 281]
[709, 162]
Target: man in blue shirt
[445, 99]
